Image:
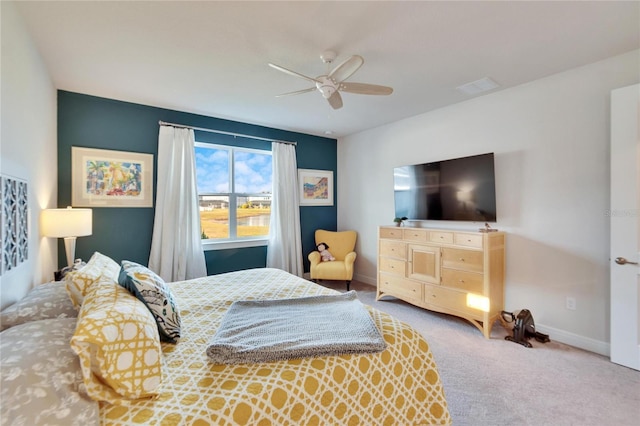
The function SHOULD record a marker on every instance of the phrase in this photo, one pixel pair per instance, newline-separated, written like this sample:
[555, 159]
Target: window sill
[235, 244]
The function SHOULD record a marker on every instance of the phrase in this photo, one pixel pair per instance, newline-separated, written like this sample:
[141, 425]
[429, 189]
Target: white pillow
[98, 267]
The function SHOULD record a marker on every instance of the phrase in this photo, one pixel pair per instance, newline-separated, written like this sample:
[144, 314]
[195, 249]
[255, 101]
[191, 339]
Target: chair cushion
[335, 270]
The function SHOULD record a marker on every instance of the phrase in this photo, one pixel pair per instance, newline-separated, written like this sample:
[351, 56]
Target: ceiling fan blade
[365, 89]
[346, 69]
[293, 73]
[335, 100]
[297, 92]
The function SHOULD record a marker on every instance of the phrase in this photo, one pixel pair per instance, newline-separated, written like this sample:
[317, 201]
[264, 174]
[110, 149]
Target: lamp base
[70, 249]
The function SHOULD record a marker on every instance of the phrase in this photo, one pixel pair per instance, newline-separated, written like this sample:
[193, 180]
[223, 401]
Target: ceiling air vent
[478, 86]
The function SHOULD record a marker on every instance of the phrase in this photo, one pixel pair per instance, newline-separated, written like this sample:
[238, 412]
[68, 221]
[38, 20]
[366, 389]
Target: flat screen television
[460, 189]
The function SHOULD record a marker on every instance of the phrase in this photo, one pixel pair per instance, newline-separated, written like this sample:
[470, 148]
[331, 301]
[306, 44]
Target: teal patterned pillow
[155, 294]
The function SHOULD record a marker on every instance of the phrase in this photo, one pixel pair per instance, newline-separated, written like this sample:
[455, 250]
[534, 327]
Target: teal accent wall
[125, 233]
[221, 261]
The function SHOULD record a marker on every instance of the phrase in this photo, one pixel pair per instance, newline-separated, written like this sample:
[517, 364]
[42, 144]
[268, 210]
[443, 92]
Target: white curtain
[285, 244]
[176, 246]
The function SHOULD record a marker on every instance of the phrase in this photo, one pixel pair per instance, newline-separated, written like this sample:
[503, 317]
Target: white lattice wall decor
[14, 239]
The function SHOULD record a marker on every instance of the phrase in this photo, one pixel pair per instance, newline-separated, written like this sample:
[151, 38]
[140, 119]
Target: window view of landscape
[233, 180]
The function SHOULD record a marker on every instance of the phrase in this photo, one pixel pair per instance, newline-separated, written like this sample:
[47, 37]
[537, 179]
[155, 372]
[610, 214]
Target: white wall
[551, 141]
[28, 147]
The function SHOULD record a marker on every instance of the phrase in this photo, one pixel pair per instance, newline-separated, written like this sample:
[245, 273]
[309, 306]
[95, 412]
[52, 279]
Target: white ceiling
[210, 57]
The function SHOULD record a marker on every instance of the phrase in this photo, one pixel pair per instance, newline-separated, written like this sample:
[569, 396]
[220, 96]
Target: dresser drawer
[450, 299]
[393, 233]
[416, 235]
[400, 286]
[467, 260]
[396, 249]
[393, 266]
[463, 280]
[468, 240]
[441, 237]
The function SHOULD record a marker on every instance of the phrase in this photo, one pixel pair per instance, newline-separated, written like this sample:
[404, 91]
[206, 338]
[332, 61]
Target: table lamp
[67, 223]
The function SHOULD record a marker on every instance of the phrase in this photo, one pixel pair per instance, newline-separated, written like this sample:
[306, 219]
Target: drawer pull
[462, 281]
[462, 259]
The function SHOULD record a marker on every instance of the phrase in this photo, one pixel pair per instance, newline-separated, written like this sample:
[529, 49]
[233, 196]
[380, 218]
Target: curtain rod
[183, 126]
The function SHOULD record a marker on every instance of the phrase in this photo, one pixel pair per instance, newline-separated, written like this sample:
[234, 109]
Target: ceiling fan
[331, 84]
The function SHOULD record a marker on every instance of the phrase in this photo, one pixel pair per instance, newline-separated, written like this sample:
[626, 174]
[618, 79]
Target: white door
[625, 229]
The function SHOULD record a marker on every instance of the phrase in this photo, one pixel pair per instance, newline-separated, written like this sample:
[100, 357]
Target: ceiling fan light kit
[331, 84]
[326, 86]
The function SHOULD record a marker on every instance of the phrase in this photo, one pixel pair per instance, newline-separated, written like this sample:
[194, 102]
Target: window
[234, 192]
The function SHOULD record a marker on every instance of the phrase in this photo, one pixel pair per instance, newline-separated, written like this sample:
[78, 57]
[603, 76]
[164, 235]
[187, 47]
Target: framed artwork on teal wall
[105, 178]
[316, 187]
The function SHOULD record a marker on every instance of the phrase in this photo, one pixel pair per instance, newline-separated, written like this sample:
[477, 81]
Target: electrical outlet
[571, 303]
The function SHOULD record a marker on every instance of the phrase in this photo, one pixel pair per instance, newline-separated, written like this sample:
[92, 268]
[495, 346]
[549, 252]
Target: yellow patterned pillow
[118, 344]
[78, 282]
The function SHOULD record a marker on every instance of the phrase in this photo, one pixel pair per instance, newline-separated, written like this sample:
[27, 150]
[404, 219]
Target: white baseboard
[365, 279]
[575, 340]
[361, 278]
[555, 334]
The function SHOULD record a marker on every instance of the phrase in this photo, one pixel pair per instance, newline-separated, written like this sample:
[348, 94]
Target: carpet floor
[497, 382]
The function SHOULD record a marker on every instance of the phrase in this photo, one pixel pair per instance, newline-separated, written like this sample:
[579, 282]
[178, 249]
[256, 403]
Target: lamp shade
[69, 222]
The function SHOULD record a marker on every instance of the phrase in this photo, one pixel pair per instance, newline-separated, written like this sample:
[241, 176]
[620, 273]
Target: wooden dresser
[454, 272]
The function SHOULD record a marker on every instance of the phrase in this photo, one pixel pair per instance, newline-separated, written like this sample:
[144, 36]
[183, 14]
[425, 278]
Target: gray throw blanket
[272, 330]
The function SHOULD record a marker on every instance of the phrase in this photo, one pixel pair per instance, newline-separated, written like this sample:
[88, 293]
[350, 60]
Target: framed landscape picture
[105, 178]
[316, 187]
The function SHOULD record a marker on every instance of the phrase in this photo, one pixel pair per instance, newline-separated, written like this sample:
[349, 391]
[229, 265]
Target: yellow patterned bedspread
[399, 386]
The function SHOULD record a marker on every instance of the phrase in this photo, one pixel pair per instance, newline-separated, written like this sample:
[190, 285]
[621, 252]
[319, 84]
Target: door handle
[623, 261]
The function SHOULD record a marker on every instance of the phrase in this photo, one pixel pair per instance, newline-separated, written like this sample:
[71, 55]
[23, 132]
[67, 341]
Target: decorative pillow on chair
[42, 302]
[155, 294]
[78, 282]
[41, 380]
[118, 345]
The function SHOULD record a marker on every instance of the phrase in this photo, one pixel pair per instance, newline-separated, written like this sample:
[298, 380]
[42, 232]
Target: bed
[399, 385]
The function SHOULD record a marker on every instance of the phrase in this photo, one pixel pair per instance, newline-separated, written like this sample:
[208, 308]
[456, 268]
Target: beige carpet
[497, 382]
